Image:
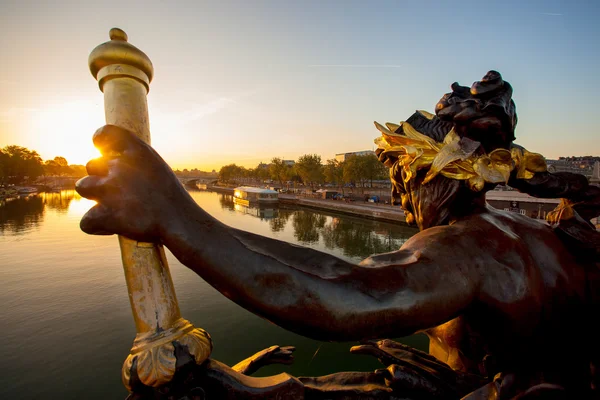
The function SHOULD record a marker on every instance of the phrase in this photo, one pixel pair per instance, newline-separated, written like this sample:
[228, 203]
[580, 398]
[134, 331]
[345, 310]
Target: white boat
[247, 195]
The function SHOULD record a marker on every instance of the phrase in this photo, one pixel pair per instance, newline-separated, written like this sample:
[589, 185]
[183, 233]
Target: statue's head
[485, 112]
[441, 165]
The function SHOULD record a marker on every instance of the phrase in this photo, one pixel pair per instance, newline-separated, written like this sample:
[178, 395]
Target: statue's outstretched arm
[306, 291]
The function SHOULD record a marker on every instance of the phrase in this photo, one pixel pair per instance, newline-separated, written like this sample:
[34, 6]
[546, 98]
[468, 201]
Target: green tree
[372, 168]
[262, 172]
[279, 171]
[309, 169]
[232, 173]
[334, 172]
[361, 169]
[351, 169]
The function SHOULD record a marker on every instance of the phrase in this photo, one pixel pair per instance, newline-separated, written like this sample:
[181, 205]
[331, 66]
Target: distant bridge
[193, 181]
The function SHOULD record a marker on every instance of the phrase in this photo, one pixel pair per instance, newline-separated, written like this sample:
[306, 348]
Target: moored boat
[247, 195]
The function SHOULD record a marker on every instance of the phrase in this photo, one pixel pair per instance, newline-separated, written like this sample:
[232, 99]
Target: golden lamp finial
[119, 51]
[124, 73]
[117, 34]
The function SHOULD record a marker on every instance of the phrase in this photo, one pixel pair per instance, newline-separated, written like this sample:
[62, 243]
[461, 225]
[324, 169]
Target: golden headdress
[455, 158]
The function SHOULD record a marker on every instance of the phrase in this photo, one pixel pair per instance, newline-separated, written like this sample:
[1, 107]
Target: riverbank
[379, 212]
[375, 211]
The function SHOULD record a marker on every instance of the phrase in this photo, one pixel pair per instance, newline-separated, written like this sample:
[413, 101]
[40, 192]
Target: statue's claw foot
[271, 355]
[213, 380]
[408, 367]
[390, 352]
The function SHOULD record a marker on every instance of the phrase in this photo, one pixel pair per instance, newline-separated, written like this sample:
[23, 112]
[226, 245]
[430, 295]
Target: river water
[65, 314]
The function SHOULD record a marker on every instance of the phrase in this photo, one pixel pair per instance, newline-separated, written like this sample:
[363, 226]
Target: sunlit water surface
[65, 314]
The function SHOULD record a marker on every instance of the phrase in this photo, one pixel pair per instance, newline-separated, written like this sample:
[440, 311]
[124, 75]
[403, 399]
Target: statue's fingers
[91, 187]
[113, 140]
[97, 221]
[97, 166]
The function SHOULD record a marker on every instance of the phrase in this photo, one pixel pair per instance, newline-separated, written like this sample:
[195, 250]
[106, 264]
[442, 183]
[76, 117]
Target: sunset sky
[244, 81]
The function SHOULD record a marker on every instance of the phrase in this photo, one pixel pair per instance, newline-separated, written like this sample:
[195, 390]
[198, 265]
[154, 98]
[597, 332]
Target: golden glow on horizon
[63, 129]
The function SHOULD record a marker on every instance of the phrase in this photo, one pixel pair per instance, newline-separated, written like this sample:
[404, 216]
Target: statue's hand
[138, 194]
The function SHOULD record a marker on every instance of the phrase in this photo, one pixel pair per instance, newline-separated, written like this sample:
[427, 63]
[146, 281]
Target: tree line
[22, 165]
[359, 170]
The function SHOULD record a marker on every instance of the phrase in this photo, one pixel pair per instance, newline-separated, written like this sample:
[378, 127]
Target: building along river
[66, 319]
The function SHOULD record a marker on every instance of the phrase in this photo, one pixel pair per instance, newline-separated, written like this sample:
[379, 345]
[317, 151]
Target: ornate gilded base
[153, 360]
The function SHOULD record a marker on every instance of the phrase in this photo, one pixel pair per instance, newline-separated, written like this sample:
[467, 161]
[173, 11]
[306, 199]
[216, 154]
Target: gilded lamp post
[124, 73]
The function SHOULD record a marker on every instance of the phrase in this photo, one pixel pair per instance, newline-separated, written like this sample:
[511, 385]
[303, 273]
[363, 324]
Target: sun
[65, 129]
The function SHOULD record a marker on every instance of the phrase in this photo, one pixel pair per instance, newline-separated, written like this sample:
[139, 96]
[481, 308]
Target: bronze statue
[501, 296]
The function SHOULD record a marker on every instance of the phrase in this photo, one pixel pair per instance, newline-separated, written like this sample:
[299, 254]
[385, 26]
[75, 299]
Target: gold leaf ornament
[495, 167]
[527, 163]
[153, 353]
[156, 366]
[455, 158]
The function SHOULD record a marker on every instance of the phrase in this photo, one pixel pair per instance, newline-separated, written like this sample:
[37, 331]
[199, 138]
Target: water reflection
[226, 202]
[259, 212]
[279, 223]
[363, 238]
[20, 214]
[307, 225]
[59, 202]
[356, 237]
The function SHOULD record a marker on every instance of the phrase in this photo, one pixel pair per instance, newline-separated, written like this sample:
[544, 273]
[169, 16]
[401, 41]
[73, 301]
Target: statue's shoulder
[476, 232]
[446, 240]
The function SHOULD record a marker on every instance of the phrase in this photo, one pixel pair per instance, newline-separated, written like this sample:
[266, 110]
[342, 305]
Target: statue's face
[425, 205]
[399, 193]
